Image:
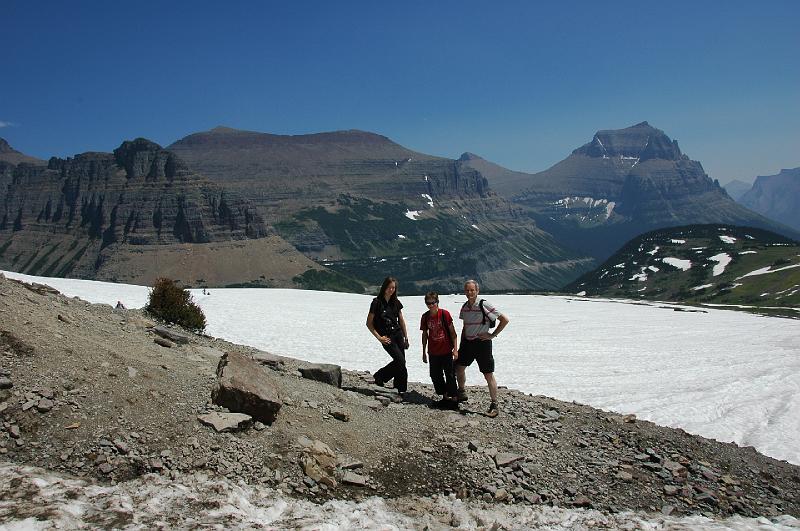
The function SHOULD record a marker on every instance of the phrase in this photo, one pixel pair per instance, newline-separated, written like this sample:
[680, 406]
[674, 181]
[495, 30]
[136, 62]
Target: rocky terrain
[110, 395]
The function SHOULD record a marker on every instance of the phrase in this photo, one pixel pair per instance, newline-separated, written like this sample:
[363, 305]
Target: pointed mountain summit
[12, 156]
[621, 183]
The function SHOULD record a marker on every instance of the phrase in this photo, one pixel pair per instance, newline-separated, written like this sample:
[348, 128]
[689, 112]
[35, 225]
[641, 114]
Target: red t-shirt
[438, 337]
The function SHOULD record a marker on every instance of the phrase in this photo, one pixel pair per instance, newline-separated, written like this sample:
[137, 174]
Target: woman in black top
[385, 321]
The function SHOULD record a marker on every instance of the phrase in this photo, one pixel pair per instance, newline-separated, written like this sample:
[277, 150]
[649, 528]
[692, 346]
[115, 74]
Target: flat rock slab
[505, 459]
[225, 422]
[323, 372]
[173, 336]
[351, 478]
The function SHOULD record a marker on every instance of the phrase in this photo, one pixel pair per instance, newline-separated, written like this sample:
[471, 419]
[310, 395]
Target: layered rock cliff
[82, 215]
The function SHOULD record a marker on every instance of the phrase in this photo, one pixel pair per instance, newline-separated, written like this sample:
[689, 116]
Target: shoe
[379, 383]
[452, 405]
[493, 411]
[462, 396]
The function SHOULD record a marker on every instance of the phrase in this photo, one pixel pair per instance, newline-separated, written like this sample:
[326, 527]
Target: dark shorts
[476, 350]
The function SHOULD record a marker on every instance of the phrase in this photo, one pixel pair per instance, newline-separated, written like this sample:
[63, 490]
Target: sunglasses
[431, 303]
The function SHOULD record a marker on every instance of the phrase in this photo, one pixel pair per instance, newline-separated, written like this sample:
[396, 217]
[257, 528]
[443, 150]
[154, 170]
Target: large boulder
[244, 386]
[323, 372]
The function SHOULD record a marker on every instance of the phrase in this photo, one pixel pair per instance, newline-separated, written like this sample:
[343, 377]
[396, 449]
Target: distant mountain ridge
[776, 197]
[364, 206]
[12, 156]
[736, 189]
[621, 183]
[719, 264]
[337, 210]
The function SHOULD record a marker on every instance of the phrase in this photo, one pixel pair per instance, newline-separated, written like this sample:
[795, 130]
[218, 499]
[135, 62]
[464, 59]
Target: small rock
[64, 319]
[426, 449]
[351, 478]
[6, 383]
[13, 431]
[624, 476]
[667, 510]
[121, 446]
[106, 468]
[352, 465]
[582, 501]
[226, 422]
[671, 490]
[164, 342]
[473, 445]
[44, 405]
[505, 459]
[29, 404]
[501, 495]
[342, 415]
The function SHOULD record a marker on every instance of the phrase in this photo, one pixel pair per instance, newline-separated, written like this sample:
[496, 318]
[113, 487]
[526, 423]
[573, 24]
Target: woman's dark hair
[382, 292]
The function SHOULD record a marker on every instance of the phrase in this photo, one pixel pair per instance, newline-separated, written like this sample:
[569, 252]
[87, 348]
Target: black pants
[397, 367]
[443, 374]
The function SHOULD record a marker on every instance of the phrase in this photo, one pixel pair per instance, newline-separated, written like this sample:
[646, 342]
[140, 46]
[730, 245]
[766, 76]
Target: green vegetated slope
[710, 264]
[435, 247]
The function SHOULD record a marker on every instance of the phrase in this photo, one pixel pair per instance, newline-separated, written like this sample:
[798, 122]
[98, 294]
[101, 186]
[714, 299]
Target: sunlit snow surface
[727, 375]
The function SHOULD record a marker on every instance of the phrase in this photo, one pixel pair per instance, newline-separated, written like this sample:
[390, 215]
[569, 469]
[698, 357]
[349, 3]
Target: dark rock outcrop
[323, 372]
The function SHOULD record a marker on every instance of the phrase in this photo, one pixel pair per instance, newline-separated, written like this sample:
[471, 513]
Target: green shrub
[171, 304]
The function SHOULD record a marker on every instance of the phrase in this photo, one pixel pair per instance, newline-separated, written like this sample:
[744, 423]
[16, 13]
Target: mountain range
[341, 210]
[620, 184]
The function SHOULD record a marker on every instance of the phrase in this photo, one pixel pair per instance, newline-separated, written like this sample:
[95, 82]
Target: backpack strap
[446, 329]
[483, 312]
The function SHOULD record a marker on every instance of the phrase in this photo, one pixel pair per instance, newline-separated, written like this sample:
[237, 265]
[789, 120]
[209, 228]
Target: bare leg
[461, 376]
[492, 383]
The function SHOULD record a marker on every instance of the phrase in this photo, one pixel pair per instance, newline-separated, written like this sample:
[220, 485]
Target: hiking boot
[451, 404]
[462, 395]
[493, 411]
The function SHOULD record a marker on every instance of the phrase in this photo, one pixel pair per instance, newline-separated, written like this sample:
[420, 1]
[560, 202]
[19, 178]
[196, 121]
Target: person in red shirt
[439, 340]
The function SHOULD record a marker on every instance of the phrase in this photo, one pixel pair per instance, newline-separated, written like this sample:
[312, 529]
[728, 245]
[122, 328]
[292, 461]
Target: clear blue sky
[519, 83]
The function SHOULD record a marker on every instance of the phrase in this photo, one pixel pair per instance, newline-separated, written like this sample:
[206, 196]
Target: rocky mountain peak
[145, 158]
[641, 141]
[467, 156]
[5, 147]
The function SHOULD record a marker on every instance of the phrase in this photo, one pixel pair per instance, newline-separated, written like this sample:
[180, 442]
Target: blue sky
[519, 83]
